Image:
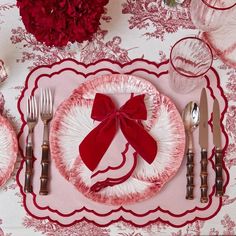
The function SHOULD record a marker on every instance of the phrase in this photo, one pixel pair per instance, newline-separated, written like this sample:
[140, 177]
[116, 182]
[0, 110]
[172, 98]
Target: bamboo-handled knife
[218, 148]
[203, 141]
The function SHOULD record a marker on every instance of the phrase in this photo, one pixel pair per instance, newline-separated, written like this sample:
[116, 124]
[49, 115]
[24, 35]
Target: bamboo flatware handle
[29, 169]
[32, 119]
[190, 174]
[219, 175]
[45, 170]
[204, 186]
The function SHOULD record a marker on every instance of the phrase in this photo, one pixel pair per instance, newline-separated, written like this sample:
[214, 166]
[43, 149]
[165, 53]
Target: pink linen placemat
[67, 206]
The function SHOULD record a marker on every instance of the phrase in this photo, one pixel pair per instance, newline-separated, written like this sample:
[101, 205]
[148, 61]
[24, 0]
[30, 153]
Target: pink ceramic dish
[72, 123]
[8, 150]
[224, 47]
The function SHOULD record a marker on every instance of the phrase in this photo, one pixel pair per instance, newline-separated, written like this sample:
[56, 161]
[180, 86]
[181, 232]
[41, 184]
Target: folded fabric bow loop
[127, 118]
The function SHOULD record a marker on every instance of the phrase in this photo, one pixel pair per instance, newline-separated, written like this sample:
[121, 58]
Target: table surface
[133, 29]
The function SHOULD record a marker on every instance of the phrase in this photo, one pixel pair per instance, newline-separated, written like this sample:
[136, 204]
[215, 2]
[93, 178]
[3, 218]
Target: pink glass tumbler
[190, 59]
[210, 15]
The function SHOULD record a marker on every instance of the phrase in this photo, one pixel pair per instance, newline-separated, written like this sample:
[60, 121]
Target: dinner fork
[46, 113]
[32, 119]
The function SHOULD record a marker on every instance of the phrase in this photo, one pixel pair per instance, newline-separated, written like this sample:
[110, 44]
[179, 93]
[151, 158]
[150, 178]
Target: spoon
[191, 118]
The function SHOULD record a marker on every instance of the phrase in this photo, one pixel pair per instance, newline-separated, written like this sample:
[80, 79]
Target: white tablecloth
[133, 29]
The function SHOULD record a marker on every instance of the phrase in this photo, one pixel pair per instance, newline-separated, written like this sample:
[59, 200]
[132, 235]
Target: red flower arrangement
[56, 22]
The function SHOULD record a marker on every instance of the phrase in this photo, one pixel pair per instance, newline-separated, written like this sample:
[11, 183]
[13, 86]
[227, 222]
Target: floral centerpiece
[57, 22]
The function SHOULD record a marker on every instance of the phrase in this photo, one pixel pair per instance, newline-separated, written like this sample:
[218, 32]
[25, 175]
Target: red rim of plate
[218, 8]
[181, 73]
[220, 54]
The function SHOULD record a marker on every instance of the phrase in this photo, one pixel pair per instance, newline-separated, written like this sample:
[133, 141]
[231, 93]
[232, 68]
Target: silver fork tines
[32, 110]
[32, 119]
[46, 107]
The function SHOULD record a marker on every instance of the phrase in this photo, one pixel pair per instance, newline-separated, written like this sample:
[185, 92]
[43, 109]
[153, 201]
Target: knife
[203, 142]
[218, 149]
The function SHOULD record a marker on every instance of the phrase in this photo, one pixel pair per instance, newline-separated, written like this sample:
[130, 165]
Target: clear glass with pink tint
[190, 59]
[210, 15]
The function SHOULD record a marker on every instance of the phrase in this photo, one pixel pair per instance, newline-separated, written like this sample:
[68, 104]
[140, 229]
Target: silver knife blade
[216, 125]
[203, 125]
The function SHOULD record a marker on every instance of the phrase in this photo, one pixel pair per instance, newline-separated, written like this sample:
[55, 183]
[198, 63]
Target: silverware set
[193, 116]
[197, 116]
[46, 114]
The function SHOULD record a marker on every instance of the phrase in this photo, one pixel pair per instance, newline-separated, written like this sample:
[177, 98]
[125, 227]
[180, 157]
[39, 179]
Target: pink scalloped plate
[8, 150]
[72, 123]
[66, 205]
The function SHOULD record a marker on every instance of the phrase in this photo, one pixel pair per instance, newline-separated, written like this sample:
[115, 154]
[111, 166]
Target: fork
[46, 113]
[32, 119]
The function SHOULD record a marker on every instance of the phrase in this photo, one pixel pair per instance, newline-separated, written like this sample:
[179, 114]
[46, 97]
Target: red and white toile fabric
[129, 30]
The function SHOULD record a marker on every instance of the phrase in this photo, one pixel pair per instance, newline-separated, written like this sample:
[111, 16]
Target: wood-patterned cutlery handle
[190, 174]
[204, 186]
[29, 169]
[45, 170]
[219, 174]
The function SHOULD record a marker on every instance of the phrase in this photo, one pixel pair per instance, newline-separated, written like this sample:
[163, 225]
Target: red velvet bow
[95, 144]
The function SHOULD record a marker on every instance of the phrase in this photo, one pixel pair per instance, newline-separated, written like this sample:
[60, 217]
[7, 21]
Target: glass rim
[218, 8]
[183, 74]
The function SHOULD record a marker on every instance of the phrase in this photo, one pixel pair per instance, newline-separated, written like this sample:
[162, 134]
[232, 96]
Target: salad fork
[32, 119]
[46, 113]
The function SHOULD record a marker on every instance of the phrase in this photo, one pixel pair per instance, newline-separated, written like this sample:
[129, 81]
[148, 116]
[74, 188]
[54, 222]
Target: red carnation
[56, 22]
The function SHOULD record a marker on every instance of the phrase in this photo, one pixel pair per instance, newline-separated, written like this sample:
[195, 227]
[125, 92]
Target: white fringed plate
[72, 123]
[123, 84]
[169, 132]
[8, 150]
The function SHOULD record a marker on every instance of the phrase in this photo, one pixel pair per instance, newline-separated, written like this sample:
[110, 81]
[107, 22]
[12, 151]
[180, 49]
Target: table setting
[117, 117]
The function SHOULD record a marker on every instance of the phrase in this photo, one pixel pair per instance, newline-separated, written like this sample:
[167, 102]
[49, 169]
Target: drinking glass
[210, 15]
[190, 59]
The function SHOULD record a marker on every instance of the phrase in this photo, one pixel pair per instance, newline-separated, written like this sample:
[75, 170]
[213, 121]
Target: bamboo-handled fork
[46, 113]
[32, 119]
